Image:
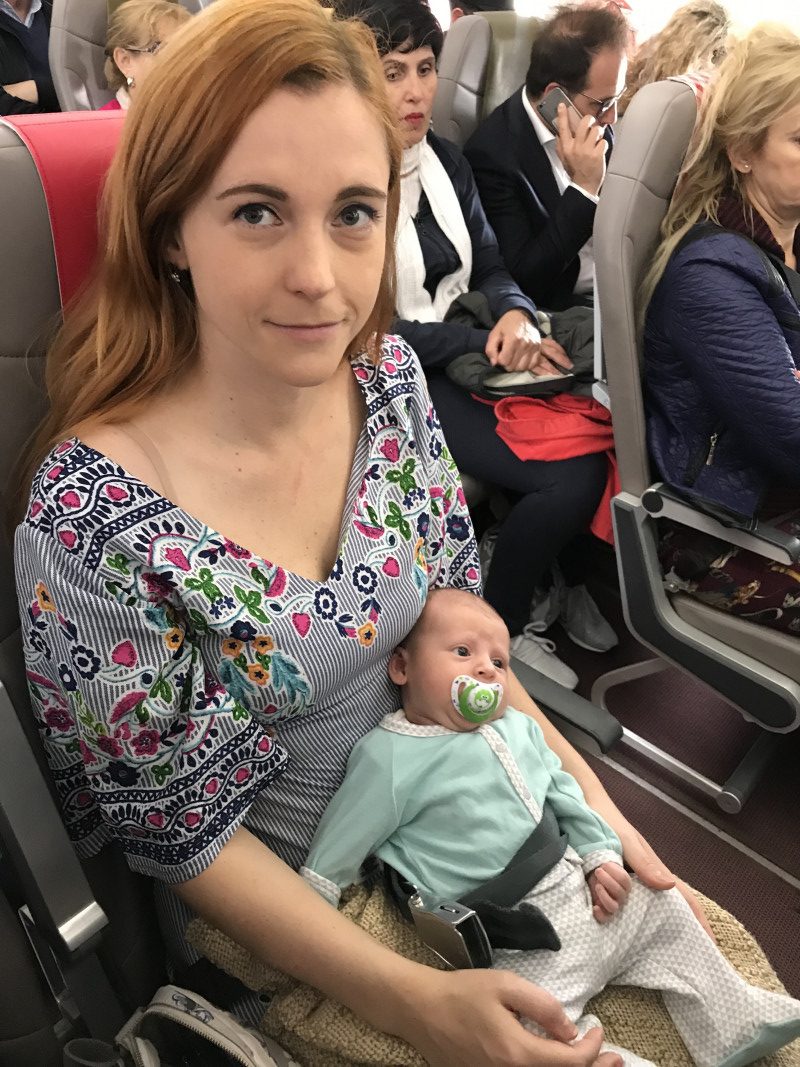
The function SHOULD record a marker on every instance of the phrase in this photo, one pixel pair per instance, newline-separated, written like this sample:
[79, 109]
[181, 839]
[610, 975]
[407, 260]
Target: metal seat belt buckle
[453, 931]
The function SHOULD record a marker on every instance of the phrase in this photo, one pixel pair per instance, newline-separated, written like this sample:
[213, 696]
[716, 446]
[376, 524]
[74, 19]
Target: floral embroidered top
[182, 685]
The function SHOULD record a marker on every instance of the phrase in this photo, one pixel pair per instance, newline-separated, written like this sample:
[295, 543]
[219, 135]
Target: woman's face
[286, 247]
[136, 62]
[411, 81]
[772, 176]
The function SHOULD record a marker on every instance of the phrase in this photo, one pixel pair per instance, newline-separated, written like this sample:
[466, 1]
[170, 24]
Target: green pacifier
[475, 701]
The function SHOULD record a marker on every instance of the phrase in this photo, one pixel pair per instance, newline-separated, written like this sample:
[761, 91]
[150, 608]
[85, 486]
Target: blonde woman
[136, 31]
[722, 332]
[692, 42]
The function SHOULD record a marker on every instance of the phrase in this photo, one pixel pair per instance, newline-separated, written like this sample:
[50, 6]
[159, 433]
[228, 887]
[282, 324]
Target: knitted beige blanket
[320, 1032]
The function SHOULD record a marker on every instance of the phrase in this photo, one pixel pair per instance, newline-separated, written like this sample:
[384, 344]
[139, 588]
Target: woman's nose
[309, 264]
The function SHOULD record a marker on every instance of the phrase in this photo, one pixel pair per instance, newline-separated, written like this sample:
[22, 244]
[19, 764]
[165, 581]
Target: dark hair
[564, 48]
[397, 25]
[470, 7]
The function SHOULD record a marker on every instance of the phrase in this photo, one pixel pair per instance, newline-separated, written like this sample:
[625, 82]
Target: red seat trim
[72, 153]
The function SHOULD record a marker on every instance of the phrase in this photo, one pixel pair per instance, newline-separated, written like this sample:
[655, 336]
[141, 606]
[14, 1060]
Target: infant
[448, 790]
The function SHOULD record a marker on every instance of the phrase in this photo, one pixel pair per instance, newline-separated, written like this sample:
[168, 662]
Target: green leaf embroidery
[204, 583]
[239, 712]
[161, 772]
[161, 688]
[395, 521]
[118, 562]
[251, 598]
[142, 714]
[199, 622]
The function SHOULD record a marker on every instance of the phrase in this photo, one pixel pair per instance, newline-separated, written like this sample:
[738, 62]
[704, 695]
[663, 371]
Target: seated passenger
[446, 248]
[539, 187]
[692, 43]
[26, 85]
[459, 793]
[722, 333]
[136, 31]
[220, 398]
[470, 7]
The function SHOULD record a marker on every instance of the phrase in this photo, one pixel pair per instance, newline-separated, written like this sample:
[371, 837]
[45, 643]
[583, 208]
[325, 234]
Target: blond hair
[135, 24]
[693, 40]
[134, 331]
[758, 82]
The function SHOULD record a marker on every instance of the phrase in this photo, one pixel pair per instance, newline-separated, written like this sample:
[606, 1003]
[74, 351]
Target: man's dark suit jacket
[540, 232]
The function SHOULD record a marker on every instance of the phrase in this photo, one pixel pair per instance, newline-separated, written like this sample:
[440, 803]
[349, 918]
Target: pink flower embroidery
[58, 719]
[70, 499]
[127, 704]
[116, 493]
[178, 559]
[472, 574]
[87, 755]
[68, 538]
[301, 622]
[125, 654]
[54, 472]
[156, 818]
[146, 743]
[278, 583]
[212, 786]
[236, 550]
[242, 775]
[109, 745]
[391, 449]
[192, 818]
[391, 567]
[36, 507]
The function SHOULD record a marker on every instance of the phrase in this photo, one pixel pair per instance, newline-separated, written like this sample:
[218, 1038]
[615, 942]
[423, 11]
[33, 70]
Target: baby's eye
[462, 651]
[256, 215]
[500, 664]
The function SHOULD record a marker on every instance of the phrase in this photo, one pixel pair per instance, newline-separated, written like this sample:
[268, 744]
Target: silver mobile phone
[548, 108]
[453, 931]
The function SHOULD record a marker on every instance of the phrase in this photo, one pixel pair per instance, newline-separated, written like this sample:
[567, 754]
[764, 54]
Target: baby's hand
[609, 885]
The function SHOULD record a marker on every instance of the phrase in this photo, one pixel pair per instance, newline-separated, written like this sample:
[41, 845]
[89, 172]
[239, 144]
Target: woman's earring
[131, 82]
[175, 274]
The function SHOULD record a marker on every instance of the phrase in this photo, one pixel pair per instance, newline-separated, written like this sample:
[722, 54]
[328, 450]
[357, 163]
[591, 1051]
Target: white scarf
[422, 171]
[123, 98]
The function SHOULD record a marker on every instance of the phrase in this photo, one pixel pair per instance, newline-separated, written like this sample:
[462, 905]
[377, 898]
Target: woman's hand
[515, 345]
[471, 1017]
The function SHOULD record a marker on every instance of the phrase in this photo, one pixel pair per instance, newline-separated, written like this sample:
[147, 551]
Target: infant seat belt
[464, 932]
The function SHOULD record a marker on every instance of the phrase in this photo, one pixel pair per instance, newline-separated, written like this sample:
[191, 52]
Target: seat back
[77, 51]
[484, 60]
[648, 153]
[67, 156]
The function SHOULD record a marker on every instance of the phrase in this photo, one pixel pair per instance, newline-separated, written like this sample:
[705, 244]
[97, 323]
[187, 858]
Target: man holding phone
[540, 158]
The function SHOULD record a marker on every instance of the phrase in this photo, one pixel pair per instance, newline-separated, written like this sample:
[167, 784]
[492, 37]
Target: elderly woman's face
[411, 81]
[772, 177]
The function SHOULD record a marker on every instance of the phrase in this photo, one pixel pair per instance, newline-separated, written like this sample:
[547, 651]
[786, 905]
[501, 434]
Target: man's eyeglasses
[603, 106]
[149, 51]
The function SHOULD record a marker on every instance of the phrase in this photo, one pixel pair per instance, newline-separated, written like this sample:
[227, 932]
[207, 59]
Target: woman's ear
[176, 256]
[122, 59]
[738, 160]
[398, 666]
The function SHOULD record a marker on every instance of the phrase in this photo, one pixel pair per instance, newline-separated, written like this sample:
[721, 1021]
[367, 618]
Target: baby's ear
[398, 666]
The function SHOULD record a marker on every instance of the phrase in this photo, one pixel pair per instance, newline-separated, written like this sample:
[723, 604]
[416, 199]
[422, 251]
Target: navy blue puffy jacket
[722, 339]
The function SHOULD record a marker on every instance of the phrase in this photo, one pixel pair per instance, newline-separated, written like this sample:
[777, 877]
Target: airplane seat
[484, 60]
[77, 51]
[754, 668]
[100, 978]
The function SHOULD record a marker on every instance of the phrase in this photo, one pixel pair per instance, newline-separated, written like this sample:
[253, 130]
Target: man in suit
[540, 186]
[25, 82]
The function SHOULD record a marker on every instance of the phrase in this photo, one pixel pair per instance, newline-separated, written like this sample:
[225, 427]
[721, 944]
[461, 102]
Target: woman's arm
[450, 1017]
[639, 855]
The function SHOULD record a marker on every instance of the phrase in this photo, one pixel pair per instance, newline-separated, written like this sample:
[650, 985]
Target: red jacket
[562, 427]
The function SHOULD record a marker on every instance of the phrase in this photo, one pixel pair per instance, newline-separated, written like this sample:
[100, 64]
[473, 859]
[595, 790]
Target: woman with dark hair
[446, 248]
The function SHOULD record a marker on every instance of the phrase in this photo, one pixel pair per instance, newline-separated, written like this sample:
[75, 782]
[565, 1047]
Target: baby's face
[457, 638]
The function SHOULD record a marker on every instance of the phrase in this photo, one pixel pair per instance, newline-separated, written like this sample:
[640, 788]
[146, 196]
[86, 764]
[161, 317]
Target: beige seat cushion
[770, 647]
[319, 1032]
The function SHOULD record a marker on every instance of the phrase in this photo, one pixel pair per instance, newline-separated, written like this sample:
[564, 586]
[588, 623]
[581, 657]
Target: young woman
[136, 32]
[241, 500]
[722, 336]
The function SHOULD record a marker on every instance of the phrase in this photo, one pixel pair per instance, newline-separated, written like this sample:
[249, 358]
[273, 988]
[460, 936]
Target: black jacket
[540, 232]
[437, 343]
[14, 67]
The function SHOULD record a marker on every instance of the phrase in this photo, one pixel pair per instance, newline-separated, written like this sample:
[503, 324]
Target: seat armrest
[33, 836]
[663, 502]
[578, 719]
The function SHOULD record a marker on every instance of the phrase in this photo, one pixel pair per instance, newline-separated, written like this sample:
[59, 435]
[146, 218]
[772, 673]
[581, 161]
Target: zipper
[204, 1030]
[712, 448]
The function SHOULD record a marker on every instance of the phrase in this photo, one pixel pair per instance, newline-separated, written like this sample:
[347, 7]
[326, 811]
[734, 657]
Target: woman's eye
[426, 70]
[357, 216]
[462, 651]
[256, 215]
